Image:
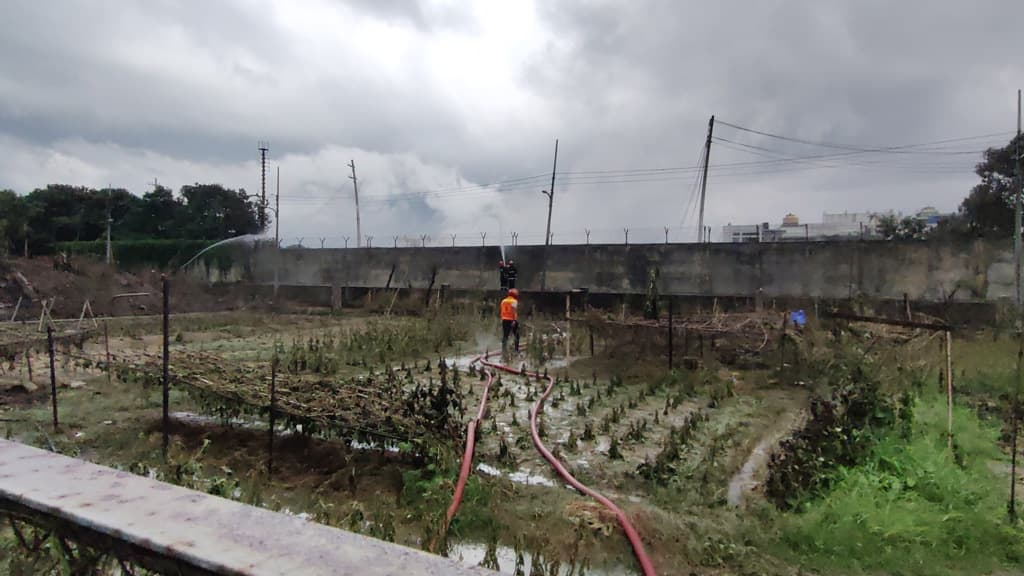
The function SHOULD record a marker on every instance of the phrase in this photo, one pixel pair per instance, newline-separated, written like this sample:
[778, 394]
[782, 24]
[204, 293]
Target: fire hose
[631, 533]
[467, 456]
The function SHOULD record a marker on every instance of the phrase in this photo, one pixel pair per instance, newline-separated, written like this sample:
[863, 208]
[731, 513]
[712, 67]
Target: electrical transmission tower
[264, 147]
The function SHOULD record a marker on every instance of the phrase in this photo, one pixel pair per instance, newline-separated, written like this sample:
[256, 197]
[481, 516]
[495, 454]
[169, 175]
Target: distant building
[742, 233]
[838, 226]
[930, 216]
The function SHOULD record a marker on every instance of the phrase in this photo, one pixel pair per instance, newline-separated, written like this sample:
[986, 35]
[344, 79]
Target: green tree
[157, 215]
[14, 222]
[988, 209]
[907, 228]
[888, 227]
[214, 212]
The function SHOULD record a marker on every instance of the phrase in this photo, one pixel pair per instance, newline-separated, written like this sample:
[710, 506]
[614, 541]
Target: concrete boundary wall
[925, 271]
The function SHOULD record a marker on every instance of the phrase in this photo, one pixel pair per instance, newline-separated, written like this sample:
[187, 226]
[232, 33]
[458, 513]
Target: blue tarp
[798, 318]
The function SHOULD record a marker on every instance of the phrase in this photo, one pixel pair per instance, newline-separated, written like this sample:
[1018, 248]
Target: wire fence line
[624, 235]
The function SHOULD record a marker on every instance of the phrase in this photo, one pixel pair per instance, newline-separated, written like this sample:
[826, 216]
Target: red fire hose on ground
[634, 537]
[467, 455]
[467, 463]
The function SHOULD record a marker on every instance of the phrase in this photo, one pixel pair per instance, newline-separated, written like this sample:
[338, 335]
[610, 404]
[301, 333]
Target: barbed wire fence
[623, 235]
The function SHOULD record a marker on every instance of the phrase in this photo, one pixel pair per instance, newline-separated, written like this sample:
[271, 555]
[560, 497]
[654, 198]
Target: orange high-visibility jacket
[508, 308]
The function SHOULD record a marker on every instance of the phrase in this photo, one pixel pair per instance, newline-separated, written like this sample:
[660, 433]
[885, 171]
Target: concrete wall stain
[925, 271]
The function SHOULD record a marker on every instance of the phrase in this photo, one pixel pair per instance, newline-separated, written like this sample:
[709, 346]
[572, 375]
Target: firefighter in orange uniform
[510, 319]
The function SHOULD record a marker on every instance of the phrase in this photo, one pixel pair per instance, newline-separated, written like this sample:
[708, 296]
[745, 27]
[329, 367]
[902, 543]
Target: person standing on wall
[510, 320]
[511, 273]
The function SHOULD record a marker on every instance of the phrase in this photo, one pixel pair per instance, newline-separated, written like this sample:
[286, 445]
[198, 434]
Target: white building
[846, 225]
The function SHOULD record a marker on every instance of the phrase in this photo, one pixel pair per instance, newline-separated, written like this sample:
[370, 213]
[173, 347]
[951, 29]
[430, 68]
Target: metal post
[704, 179]
[355, 192]
[106, 345]
[273, 410]
[53, 373]
[166, 366]
[277, 234]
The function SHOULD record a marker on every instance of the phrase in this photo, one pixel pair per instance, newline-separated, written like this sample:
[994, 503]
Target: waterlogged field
[830, 459]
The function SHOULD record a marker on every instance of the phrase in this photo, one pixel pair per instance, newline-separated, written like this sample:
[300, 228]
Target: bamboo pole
[949, 386]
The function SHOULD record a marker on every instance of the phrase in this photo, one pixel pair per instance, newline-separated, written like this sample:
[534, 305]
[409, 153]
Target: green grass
[910, 509]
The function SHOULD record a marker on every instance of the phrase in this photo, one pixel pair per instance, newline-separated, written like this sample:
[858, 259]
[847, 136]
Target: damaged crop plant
[744, 454]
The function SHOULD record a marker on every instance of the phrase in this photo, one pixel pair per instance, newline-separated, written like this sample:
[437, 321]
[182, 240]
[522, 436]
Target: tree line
[35, 222]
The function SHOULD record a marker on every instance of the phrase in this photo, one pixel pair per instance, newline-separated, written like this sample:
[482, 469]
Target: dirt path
[752, 473]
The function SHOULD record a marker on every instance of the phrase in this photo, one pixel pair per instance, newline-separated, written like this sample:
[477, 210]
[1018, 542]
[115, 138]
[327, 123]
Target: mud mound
[93, 280]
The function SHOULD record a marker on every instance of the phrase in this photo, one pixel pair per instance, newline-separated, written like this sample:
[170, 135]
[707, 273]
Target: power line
[903, 148]
[776, 162]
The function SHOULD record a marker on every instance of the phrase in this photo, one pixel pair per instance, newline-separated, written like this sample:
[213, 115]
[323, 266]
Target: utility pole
[1017, 213]
[704, 178]
[264, 147]
[109, 220]
[277, 234]
[551, 196]
[355, 191]
[277, 210]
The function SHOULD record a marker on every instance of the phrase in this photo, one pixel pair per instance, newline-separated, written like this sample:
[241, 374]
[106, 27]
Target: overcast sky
[433, 100]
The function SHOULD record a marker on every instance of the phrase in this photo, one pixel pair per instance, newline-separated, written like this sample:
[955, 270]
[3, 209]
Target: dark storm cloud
[77, 71]
[469, 91]
[636, 83]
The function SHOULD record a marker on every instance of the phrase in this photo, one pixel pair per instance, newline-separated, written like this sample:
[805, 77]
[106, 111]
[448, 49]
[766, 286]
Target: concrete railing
[173, 530]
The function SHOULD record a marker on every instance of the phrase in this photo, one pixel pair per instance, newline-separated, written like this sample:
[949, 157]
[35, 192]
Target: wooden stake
[568, 324]
[16, 308]
[53, 374]
[45, 314]
[1013, 435]
[782, 343]
[28, 362]
[273, 410]
[166, 367]
[670, 363]
[106, 345]
[82, 315]
[949, 385]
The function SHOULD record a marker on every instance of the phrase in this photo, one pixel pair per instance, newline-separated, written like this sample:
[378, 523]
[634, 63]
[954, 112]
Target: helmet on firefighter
[513, 293]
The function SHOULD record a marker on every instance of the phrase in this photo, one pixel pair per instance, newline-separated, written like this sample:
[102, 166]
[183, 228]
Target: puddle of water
[743, 482]
[202, 419]
[473, 554]
[357, 445]
[462, 362]
[519, 476]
